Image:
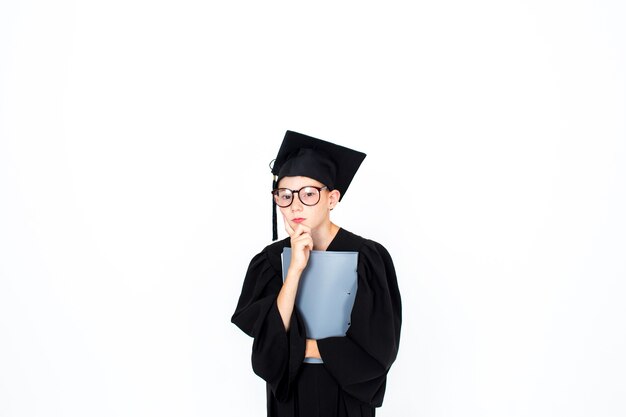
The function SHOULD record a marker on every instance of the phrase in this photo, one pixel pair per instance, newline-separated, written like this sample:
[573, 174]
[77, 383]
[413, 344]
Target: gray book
[326, 292]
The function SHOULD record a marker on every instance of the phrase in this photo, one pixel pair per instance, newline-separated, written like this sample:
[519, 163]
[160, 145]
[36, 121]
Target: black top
[351, 381]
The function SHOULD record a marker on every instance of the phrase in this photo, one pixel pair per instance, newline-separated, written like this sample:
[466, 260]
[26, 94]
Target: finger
[304, 237]
[303, 241]
[301, 229]
[297, 231]
[288, 227]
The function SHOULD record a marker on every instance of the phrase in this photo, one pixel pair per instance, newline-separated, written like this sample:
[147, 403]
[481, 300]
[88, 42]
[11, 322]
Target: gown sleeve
[360, 360]
[276, 353]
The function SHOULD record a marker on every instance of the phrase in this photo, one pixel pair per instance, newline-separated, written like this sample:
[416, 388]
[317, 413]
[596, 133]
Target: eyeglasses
[309, 196]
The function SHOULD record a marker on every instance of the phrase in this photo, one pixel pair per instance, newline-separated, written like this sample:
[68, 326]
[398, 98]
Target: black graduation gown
[351, 381]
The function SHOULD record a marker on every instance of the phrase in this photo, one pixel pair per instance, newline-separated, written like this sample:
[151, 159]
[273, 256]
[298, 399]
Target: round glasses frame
[297, 192]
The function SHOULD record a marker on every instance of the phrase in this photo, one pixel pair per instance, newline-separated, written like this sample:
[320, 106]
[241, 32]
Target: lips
[298, 220]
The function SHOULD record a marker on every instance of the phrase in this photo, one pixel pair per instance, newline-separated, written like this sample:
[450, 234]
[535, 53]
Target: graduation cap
[301, 155]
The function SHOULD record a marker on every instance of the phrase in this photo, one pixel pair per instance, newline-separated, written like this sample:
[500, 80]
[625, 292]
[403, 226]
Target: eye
[282, 195]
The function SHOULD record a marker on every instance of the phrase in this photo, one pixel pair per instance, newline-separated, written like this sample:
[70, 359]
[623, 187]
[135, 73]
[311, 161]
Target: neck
[322, 236]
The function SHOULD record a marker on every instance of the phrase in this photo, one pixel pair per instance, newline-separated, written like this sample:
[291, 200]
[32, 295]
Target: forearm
[287, 296]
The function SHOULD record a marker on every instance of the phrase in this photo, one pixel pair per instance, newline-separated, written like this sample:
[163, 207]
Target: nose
[296, 204]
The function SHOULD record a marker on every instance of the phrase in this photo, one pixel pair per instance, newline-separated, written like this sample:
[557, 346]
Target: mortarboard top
[332, 165]
[301, 155]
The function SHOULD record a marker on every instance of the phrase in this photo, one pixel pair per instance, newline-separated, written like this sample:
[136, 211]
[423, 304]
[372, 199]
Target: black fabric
[312, 164]
[274, 221]
[332, 165]
[352, 380]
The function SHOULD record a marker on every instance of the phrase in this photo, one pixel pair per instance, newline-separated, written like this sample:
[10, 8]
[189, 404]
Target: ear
[333, 198]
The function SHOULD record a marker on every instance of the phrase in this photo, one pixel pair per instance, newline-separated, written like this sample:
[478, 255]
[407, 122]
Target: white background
[135, 138]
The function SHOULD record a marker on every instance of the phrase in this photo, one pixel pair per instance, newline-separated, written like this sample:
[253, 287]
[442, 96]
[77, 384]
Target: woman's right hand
[301, 245]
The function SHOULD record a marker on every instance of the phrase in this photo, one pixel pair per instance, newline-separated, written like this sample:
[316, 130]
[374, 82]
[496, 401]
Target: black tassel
[274, 220]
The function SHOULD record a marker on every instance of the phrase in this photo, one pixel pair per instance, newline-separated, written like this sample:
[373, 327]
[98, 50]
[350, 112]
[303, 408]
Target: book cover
[326, 291]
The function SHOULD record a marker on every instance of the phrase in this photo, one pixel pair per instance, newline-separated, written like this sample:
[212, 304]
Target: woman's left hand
[311, 350]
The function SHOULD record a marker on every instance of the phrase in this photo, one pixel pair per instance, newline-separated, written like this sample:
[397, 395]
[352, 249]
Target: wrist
[295, 270]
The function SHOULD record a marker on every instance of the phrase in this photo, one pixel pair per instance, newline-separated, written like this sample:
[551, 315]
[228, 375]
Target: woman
[348, 373]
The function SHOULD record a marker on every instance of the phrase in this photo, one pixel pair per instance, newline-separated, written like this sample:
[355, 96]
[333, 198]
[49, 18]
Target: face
[311, 216]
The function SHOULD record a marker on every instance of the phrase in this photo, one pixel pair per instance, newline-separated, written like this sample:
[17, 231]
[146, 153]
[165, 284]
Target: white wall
[496, 141]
